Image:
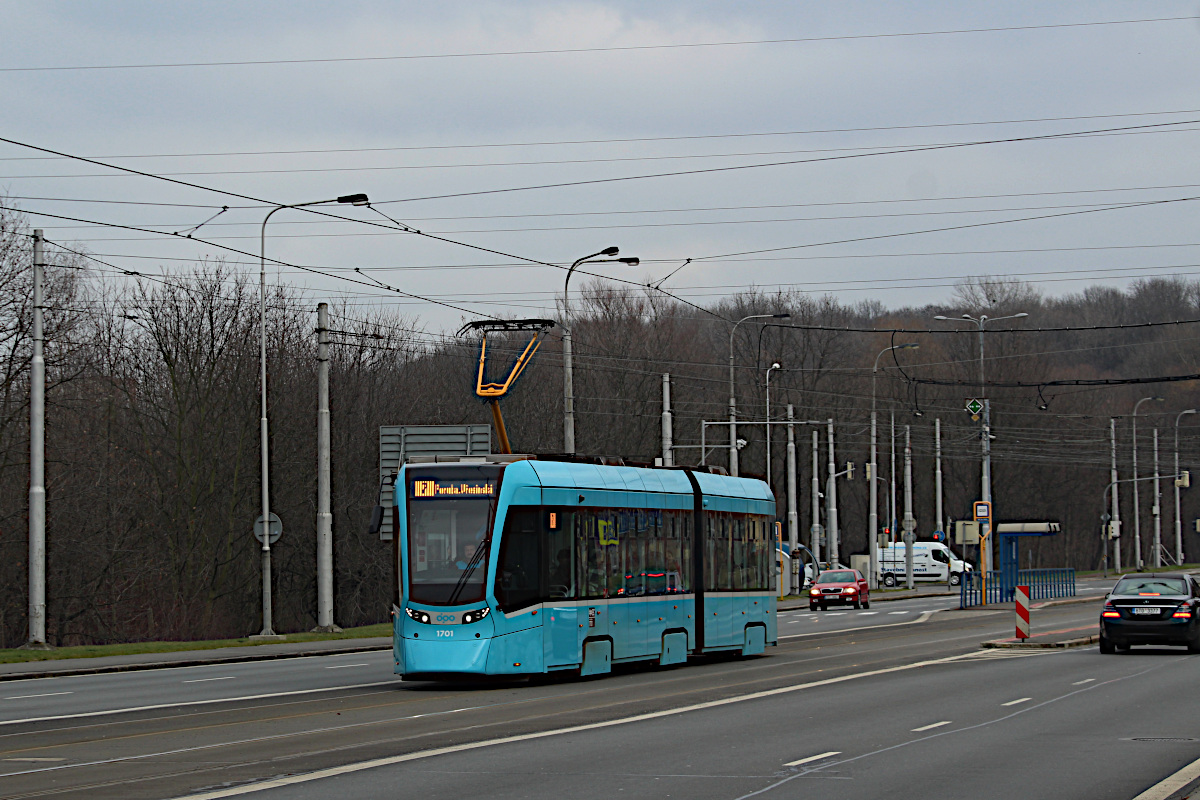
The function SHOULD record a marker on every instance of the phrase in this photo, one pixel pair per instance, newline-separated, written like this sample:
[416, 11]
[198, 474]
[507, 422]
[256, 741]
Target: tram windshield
[450, 516]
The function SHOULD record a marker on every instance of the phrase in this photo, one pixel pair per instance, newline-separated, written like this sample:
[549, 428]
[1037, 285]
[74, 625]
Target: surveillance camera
[741, 443]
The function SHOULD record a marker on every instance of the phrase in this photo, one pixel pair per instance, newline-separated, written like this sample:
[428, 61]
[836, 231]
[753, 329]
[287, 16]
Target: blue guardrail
[1043, 584]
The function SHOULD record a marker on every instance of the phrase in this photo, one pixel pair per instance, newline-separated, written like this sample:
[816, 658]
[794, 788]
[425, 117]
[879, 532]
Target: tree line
[153, 407]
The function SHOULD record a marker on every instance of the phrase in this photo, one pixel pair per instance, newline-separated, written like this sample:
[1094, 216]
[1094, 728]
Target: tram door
[562, 634]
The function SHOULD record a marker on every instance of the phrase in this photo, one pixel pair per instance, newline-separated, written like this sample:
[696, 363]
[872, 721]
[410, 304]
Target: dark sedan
[1151, 609]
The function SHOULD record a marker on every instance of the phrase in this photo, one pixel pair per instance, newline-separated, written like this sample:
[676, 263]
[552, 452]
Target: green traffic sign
[974, 406]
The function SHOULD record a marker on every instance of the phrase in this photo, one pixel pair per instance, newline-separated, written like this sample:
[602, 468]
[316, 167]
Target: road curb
[191, 662]
[1002, 644]
[1068, 601]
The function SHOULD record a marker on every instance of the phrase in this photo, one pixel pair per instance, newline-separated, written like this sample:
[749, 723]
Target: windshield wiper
[471, 565]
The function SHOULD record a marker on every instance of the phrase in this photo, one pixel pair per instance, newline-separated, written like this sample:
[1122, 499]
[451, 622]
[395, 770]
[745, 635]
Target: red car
[839, 587]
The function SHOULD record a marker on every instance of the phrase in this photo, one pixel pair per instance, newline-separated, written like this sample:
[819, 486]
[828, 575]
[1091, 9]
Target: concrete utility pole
[1178, 520]
[768, 425]
[793, 516]
[816, 497]
[910, 524]
[1116, 506]
[324, 515]
[831, 513]
[1157, 508]
[37, 464]
[667, 440]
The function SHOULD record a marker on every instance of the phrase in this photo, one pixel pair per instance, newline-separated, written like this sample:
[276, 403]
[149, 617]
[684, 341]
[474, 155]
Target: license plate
[1145, 611]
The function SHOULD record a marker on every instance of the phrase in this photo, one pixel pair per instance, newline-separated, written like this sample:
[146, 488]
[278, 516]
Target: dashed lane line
[811, 759]
[930, 727]
[1017, 702]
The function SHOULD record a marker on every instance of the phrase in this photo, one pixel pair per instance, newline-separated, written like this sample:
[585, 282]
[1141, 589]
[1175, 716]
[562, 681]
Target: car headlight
[849, 590]
[815, 592]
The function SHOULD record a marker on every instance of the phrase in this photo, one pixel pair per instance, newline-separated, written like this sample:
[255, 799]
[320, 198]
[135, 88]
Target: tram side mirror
[376, 521]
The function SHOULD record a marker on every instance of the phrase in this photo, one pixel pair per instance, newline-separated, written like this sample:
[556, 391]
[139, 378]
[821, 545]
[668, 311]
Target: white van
[932, 561]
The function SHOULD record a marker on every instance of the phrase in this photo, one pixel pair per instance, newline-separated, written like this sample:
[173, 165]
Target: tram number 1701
[445, 633]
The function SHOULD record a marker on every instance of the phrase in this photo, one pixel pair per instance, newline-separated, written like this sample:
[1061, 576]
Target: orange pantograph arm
[493, 389]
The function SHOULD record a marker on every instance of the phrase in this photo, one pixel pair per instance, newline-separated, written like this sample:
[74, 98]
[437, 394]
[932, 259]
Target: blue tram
[534, 565]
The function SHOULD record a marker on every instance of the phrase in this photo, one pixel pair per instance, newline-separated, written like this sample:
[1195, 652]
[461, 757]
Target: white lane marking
[1172, 784]
[344, 666]
[792, 621]
[1082, 682]
[34, 760]
[206, 680]
[813, 758]
[28, 696]
[924, 616]
[346, 769]
[931, 727]
[1017, 702]
[897, 612]
[867, 613]
[836, 614]
[182, 703]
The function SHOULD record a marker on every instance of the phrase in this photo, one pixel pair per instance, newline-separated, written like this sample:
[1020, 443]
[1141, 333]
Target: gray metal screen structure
[399, 443]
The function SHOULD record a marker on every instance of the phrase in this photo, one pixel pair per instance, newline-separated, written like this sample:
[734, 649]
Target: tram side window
[517, 579]
[716, 551]
[561, 555]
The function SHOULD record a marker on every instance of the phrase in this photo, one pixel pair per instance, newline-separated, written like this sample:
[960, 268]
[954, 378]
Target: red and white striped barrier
[1022, 596]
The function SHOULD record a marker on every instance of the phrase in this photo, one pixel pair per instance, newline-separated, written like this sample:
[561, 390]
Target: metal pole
[37, 463]
[733, 451]
[568, 394]
[792, 507]
[1137, 514]
[1116, 506]
[264, 446]
[873, 516]
[1178, 518]
[831, 515]
[816, 499]
[892, 521]
[937, 475]
[768, 426]
[986, 478]
[667, 442]
[909, 522]
[1157, 508]
[324, 515]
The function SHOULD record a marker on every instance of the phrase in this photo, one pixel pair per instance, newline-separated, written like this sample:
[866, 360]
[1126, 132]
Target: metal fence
[1043, 584]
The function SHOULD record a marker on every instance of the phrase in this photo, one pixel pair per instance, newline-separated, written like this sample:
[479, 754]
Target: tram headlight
[419, 616]
[475, 616]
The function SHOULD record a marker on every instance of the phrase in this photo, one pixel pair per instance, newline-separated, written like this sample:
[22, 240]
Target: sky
[823, 123]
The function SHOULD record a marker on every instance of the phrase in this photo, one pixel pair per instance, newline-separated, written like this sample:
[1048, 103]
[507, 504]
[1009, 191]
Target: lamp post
[568, 374]
[986, 478]
[1137, 520]
[733, 450]
[776, 366]
[1178, 522]
[873, 523]
[264, 447]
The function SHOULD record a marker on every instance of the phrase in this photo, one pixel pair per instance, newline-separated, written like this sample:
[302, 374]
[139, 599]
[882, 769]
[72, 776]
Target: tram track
[617, 696]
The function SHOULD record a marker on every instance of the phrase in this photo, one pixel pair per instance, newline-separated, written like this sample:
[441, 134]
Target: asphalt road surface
[874, 704]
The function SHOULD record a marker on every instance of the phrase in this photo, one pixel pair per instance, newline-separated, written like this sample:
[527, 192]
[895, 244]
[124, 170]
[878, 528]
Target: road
[871, 708]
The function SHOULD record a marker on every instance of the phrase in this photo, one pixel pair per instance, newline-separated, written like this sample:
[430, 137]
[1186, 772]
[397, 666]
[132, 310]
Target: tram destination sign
[432, 488]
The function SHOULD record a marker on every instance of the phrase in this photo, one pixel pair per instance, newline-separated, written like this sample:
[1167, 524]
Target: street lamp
[873, 523]
[986, 481]
[568, 377]
[733, 448]
[776, 366]
[1178, 522]
[1137, 521]
[265, 456]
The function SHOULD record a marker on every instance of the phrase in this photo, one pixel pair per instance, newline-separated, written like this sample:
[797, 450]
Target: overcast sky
[429, 115]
